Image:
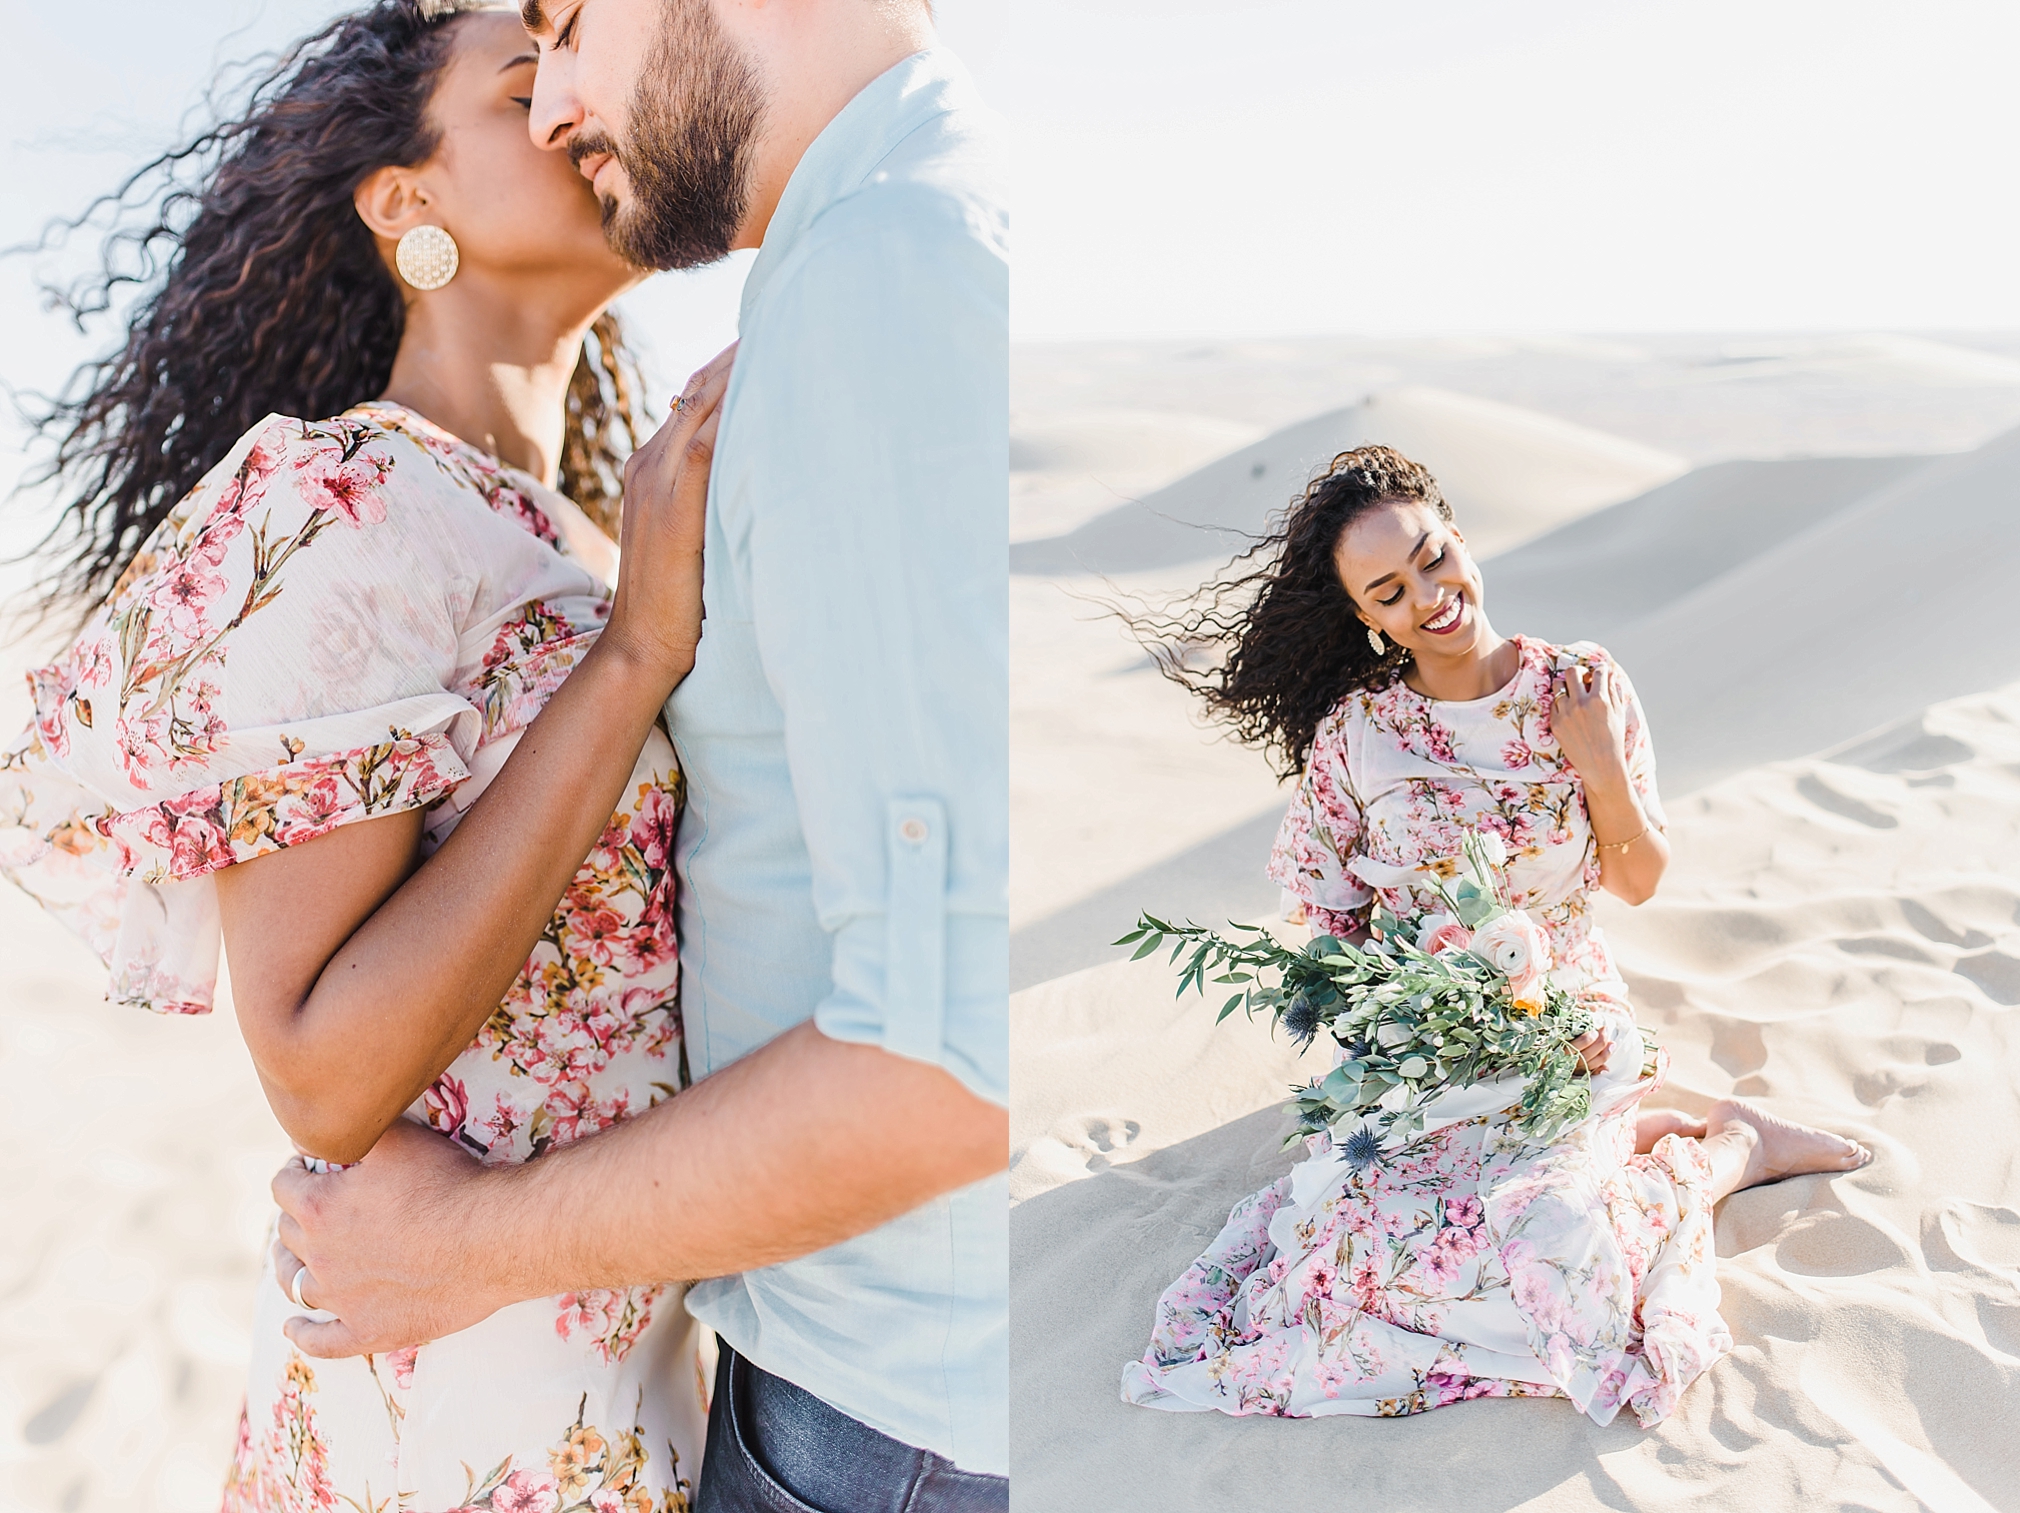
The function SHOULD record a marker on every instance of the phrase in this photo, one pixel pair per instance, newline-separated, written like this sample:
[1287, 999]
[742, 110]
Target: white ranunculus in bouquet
[1459, 1000]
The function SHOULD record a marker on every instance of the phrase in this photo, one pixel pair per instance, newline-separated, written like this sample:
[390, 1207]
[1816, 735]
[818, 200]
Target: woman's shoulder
[283, 484]
[1346, 724]
[1336, 724]
[344, 464]
[1555, 657]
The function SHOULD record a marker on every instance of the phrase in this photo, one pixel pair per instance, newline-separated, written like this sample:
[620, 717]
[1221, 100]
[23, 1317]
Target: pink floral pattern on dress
[1469, 1263]
[171, 619]
[611, 1319]
[286, 1467]
[194, 726]
[531, 655]
[196, 833]
[586, 1471]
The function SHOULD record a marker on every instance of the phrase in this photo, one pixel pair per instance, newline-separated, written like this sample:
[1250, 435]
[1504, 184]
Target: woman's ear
[391, 202]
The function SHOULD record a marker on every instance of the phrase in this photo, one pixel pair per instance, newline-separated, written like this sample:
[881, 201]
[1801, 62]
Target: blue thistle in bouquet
[1459, 1002]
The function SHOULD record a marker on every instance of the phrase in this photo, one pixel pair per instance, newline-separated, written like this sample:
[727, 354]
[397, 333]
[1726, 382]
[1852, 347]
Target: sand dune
[1875, 355]
[1588, 579]
[1508, 472]
[1860, 620]
[1069, 465]
[1708, 397]
[1840, 938]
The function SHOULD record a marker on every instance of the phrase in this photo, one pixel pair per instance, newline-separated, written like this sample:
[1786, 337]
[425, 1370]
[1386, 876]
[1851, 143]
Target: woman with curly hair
[1468, 1263]
[354, 699]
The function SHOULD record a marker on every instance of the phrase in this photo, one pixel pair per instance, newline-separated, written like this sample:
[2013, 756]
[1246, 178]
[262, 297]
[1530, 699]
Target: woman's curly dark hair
[1274, 643]
[266, 293]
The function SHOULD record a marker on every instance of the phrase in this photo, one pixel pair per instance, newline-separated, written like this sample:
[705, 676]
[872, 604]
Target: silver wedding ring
[295, 1290]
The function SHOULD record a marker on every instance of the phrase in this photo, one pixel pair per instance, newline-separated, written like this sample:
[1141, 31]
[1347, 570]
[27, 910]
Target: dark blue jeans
[776, 1448]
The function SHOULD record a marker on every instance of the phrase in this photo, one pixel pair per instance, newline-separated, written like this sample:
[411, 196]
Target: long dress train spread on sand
[345, 619]
[1468, 1263]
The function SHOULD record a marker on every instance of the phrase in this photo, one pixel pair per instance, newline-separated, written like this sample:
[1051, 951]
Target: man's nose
[557, 111]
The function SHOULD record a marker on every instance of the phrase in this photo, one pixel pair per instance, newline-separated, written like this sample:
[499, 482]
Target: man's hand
[388, 1246]
[418, 1240]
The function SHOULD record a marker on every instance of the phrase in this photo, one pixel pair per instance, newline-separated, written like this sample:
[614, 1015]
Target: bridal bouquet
[1459, 1000]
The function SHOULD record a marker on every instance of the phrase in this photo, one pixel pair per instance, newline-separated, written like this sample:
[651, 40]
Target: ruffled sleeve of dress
[277, 661]
[1320, 833]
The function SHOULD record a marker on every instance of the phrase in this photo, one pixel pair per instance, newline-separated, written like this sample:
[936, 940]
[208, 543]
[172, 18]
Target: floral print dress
[1468, 1263]
[348, 618]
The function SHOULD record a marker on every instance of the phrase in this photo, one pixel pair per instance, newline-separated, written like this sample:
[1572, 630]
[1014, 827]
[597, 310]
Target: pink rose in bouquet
[1441, 932]
[1515, 944]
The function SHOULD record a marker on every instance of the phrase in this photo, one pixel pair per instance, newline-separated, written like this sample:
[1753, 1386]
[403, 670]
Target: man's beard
[694, 121]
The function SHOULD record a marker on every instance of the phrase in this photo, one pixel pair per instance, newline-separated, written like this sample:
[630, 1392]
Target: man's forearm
[799, 1145]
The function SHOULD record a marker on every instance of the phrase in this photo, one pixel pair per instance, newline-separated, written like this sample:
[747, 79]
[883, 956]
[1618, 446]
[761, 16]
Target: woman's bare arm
[358, 975]
[1589, 719]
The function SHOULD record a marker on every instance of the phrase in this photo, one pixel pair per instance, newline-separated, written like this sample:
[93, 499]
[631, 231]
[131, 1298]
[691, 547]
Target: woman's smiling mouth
[1446, 620]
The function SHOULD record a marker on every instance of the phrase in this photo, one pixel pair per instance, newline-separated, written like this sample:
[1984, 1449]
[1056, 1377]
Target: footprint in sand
[1926, 923]
[1100, 1135]
[1996, 974]
[1840, 1245]
[1877, 1086]
[1739, 1050]
[1972, 1236]
[53, 1419]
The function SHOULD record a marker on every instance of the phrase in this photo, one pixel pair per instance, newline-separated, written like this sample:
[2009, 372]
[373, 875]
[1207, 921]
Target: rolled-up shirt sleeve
[878, 589]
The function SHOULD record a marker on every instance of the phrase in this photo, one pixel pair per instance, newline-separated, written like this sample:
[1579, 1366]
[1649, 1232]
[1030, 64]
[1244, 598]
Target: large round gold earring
[427, 257]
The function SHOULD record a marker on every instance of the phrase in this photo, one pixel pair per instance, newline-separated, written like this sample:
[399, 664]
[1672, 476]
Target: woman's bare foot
[1760, 1148]
[1651, 1125]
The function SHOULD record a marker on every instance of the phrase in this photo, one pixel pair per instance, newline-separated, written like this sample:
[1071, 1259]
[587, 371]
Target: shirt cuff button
[913, 831]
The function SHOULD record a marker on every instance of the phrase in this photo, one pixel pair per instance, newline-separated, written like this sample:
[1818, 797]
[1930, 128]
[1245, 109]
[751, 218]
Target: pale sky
[1270, 167]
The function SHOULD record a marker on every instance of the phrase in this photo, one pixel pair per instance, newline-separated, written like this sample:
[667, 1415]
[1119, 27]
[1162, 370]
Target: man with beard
[837, 1174]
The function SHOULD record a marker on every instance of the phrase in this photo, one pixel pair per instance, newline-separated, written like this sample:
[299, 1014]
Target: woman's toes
[1787, 1149]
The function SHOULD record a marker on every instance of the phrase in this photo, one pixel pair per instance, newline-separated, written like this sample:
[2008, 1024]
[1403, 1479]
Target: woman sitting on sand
[1467, 1264]
[321, 635]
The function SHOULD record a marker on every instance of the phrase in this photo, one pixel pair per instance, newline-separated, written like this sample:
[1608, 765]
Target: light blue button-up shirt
[845, 730]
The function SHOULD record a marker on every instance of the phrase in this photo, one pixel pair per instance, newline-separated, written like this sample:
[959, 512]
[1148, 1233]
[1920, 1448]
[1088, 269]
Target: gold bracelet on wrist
[1621, 846]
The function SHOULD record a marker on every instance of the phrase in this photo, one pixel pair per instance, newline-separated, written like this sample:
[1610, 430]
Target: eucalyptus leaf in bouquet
[1455, 1009]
